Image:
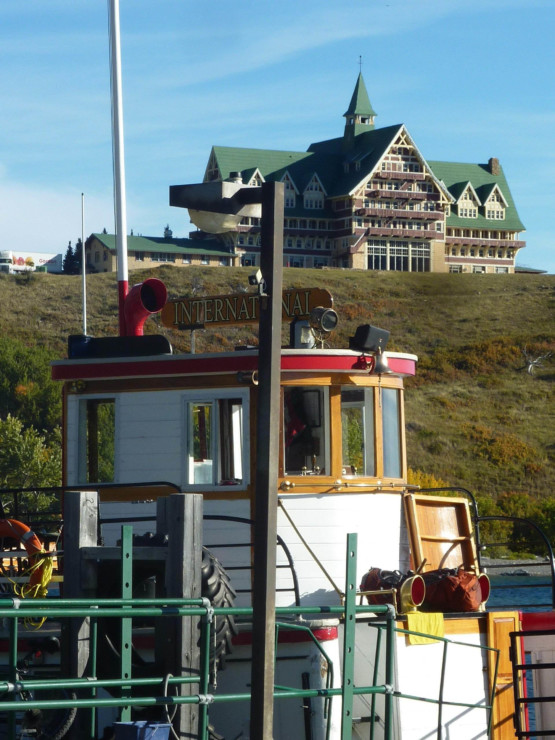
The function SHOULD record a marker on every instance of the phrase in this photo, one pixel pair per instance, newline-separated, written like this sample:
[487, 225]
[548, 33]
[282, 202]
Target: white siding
[324, 521]
[149, 437]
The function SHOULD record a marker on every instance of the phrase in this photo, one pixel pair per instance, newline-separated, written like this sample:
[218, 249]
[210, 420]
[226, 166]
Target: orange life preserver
[32, 544]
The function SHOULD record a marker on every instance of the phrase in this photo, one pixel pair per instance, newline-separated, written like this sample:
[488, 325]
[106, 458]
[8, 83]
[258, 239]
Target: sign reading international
[242, 308]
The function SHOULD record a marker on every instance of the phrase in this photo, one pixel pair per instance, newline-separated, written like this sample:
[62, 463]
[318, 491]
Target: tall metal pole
[267, 448]
[83, 264]
[120, 212]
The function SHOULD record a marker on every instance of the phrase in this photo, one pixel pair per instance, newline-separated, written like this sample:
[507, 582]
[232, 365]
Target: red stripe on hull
[322, 634]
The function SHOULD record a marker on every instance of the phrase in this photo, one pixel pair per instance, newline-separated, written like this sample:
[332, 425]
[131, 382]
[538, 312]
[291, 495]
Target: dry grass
[473, 418]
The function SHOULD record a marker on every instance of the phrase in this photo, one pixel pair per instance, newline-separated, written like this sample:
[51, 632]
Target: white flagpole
[118, 156]
[83, 264]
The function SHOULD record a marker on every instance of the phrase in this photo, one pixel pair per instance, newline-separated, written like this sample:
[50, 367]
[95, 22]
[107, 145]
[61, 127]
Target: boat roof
[242, 360]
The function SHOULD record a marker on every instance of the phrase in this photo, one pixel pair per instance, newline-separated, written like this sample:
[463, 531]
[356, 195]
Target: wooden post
[80, 581]
[182, 514]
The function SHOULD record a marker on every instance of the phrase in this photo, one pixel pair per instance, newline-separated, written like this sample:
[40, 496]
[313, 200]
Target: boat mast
[120, 213]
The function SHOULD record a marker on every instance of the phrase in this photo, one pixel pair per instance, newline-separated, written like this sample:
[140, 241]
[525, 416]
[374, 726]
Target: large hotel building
[367, 200]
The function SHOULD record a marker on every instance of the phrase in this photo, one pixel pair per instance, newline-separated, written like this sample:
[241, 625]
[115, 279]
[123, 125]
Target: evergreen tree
[68, 260]
[78, 257]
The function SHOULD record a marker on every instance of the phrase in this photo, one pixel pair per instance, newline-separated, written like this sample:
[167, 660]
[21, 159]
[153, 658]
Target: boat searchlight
[371, 339]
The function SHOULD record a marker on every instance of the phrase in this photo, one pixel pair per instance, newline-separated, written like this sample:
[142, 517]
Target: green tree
[73, 259]
[27, 390]
[26, 459]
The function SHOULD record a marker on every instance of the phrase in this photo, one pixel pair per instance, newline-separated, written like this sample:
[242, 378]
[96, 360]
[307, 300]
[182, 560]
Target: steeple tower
[360, 114]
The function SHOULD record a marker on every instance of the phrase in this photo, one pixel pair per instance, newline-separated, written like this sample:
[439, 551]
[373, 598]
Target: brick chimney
[494, 167]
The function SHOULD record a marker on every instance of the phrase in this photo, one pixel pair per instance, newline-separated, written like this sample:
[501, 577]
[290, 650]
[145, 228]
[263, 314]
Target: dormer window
[468, 204]
[290, 194]
[314, 194]
[496, 205]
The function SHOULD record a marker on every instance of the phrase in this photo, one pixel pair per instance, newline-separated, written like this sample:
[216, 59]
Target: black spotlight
[369, 339]
[323, 319]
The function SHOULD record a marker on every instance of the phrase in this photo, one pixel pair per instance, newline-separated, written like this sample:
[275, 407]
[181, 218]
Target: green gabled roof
[360, 102]
[160, 244]
[457, 175]
[325, 158]
[271, 163]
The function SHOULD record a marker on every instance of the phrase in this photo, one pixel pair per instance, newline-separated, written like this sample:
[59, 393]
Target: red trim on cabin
[537, 621]
[203, 365]
[322, 634]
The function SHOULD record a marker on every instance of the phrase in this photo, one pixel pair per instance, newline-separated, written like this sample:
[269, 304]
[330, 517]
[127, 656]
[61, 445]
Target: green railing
[15, 687]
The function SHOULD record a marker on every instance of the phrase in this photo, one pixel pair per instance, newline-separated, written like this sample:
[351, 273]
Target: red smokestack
[142, 301]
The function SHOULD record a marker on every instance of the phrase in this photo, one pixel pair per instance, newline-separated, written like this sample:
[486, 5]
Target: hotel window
[204, 261]
[187, 259]
[420, 257]
[139, 256]
[289, 243]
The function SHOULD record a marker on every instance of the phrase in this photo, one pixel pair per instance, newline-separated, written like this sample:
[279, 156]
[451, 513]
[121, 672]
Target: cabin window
[391, 431]
[216, 441]
[97, 421]
[305, 420]
[357, 431]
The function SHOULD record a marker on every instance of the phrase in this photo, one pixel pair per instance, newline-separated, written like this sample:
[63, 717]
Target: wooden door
[500, 625]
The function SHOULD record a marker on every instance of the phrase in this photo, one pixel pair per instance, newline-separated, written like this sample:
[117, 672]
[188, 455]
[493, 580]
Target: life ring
[41, 569]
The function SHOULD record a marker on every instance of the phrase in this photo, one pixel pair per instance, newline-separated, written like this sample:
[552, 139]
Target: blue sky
[471, 79]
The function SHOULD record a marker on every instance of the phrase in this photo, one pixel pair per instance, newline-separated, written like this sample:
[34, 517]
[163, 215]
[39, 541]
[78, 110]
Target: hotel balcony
[404, 233]
[477, 241]
[401, 194]
[394, 175]
[400, 213]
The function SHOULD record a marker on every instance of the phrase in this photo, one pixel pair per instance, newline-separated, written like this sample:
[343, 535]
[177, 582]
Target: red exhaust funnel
[142, 301]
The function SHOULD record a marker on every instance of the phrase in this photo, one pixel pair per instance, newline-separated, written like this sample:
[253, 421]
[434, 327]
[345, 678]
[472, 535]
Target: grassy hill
[474, 417]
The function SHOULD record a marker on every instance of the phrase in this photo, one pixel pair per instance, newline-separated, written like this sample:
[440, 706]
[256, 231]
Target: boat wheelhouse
[134, 411]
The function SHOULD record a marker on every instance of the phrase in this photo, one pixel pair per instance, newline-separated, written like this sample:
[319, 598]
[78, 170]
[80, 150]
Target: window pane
[231, 441]
[97, 457]
[200, 444]
[305, 438]
[391, 433]
[215, 446]
[357, 431]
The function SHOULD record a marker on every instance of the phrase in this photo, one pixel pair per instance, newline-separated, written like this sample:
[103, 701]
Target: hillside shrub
[26, 388]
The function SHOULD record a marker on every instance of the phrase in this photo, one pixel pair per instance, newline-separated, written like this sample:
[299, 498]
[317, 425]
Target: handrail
[477, 519]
